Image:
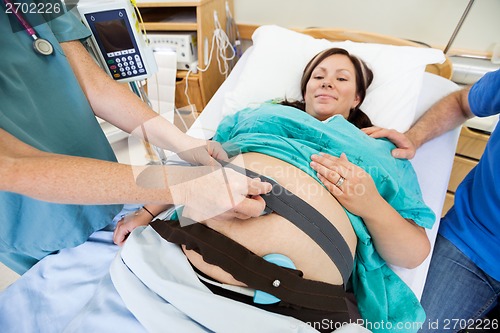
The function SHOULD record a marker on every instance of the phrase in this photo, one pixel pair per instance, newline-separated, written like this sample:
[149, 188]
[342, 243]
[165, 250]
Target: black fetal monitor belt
[307, 219]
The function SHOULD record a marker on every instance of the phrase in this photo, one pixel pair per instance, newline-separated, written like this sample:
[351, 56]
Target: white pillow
[279, 55]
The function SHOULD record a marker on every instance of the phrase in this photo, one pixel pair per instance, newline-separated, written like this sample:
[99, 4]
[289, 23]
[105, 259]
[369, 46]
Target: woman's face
[331, 89]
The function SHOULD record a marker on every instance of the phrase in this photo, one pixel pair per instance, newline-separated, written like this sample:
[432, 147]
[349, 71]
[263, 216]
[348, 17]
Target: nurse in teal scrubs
[48, 104]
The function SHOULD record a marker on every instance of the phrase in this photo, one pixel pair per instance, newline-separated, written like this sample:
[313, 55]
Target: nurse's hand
[131, 221]
[353, 187]
[200, 152]
[219, 193]
[405, 147]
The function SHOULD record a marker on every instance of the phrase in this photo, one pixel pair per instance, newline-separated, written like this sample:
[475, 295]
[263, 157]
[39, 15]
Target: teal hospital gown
[291, 135]
[42, 104]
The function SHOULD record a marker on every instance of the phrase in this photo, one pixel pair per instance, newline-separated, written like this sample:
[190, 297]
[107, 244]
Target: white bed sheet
[64, 290]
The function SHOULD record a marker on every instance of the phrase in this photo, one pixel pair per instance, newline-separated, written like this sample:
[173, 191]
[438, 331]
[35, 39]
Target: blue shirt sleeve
[484, 96]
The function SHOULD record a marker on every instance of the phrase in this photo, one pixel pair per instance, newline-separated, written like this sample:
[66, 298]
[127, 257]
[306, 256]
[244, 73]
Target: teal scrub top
[42, 104]
[293, 136]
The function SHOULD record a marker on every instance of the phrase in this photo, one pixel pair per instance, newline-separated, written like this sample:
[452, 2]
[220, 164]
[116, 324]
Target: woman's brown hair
[364, 77]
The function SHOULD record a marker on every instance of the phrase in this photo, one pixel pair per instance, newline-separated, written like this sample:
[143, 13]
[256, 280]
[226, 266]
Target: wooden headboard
[336, 34]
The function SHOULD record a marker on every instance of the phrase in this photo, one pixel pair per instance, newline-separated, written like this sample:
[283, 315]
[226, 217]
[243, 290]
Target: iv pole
[459, 25]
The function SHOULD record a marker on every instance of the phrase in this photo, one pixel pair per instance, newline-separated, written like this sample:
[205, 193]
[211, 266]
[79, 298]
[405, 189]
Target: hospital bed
[72, 290]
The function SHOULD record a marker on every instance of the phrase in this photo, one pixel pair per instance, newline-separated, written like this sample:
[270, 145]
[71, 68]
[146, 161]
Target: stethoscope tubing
[40, 45]
[27, 27]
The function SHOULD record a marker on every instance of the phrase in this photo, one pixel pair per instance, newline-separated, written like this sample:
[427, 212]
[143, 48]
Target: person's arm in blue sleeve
[447, 114]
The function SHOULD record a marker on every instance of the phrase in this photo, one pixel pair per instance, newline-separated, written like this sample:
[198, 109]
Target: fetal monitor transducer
[117, 39]
[40, 45]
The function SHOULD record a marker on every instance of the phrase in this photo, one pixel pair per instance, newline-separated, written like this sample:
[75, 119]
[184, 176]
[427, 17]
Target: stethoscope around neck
[40, 45]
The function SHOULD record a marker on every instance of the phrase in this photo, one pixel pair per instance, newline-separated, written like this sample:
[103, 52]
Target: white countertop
[486, 124]
[466, 71]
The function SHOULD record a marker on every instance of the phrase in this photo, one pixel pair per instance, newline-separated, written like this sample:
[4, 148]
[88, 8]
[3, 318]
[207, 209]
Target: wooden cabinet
[191, 16]
[470, 148]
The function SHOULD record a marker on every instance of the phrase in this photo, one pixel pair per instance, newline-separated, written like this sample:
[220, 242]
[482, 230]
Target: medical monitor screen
[114, 35]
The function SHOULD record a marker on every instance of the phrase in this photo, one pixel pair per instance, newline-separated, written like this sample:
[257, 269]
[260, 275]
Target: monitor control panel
[117, 41]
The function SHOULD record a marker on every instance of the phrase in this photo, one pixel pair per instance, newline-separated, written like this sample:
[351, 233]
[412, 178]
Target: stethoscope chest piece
[40, 45]
[43, 46]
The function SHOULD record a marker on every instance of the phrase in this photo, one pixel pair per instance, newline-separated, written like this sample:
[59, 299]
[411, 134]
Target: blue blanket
[385, 302]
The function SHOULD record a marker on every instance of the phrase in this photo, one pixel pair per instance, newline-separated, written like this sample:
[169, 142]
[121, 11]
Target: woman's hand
[399, 241]
[131, 221]
[353, 187]
[405, 147]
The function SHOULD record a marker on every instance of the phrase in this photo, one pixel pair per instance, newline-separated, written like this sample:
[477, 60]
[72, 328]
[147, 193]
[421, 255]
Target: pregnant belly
[274, 234]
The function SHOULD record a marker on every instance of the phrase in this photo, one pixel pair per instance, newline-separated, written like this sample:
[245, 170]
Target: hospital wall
[428, 21]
